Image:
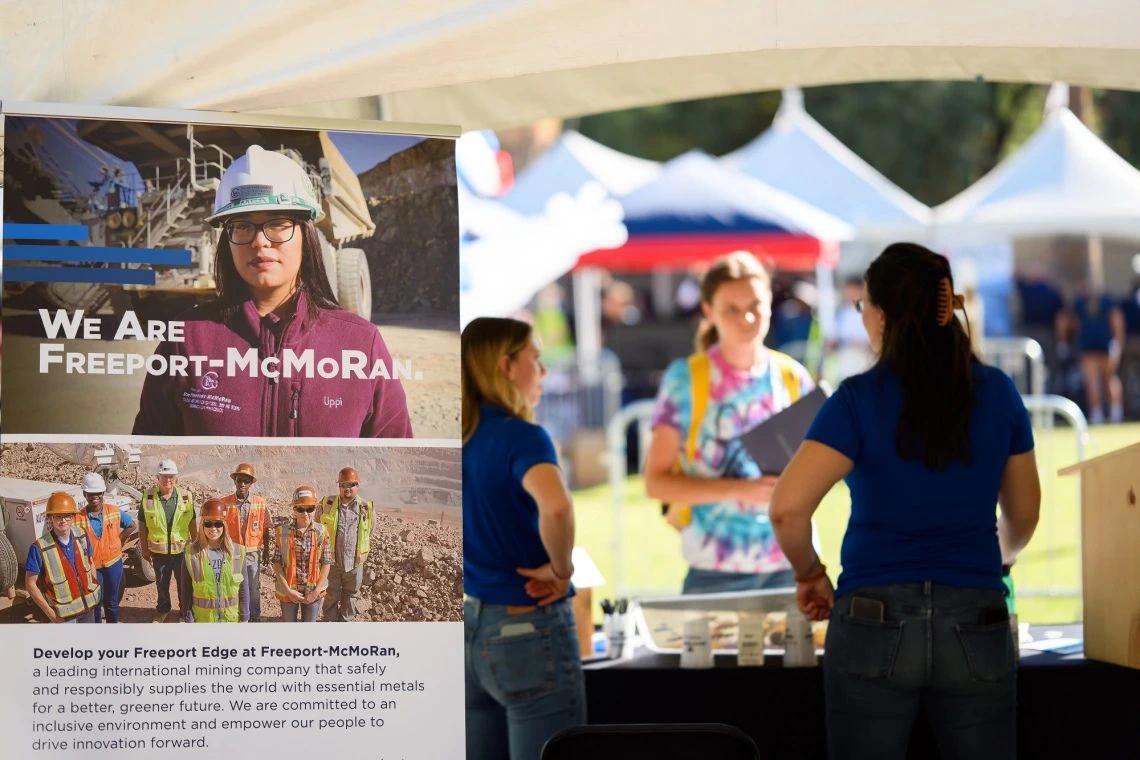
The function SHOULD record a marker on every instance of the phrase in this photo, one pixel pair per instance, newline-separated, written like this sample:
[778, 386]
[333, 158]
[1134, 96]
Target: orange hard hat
[348, 475]
[213, 508]
[61, 503]
[244, 469]
[304, 496]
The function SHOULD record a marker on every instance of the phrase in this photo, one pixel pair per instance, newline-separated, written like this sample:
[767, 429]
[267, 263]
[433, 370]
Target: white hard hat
[167, 467]
[263, 180]
[93, 483]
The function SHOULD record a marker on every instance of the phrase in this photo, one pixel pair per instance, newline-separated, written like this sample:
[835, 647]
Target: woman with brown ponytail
[928, 440]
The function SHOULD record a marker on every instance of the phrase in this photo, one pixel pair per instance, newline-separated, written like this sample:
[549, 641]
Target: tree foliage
[933, 139]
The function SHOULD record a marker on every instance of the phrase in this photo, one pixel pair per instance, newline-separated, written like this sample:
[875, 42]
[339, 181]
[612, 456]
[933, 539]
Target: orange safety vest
[289, 558]
[71, 593]
[106, 549]
[255, 525]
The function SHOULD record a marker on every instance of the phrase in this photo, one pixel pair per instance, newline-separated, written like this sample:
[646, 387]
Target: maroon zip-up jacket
[251, 403]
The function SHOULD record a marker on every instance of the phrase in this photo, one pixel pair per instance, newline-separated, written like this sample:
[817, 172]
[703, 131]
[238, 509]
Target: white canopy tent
[572, 161]
[1062, 181]
[506, 256]
[496, 63]
[798, 156]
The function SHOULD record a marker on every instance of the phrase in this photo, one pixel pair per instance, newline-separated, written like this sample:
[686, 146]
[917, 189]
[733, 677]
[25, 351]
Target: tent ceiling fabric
[497, 63]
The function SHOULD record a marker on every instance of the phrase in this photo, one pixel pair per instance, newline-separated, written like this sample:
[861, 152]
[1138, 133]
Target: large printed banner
[230, 394]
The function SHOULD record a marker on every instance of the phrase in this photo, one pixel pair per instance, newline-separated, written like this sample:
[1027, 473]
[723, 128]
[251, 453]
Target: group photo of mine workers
[198, 539]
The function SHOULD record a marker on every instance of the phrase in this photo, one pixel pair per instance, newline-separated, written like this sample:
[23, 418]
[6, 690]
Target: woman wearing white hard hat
[103, 523]
[281, 357]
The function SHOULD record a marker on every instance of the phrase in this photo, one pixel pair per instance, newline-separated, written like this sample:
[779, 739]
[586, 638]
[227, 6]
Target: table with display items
[1067, 706]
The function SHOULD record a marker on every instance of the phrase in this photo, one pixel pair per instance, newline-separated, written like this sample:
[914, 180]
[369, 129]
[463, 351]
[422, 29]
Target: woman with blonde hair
[523, 669]
[215, 592]
[715, 493]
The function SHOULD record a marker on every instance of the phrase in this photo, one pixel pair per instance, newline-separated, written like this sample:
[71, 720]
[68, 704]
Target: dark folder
[773, 442]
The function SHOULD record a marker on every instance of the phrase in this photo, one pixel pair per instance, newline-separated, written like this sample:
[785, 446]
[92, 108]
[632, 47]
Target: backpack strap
[787, 367]
[699, 394]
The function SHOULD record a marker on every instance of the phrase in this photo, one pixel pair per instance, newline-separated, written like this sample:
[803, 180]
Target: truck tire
[141, 569]
[9, 564]
[354, 282]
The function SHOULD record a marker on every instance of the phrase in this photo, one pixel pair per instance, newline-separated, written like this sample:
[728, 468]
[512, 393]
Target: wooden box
[1110, 555]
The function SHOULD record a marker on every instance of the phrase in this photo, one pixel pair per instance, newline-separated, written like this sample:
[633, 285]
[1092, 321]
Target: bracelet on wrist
[814, 576]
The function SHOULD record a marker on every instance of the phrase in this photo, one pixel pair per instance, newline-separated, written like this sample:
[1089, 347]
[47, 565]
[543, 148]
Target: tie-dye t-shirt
[730, 536]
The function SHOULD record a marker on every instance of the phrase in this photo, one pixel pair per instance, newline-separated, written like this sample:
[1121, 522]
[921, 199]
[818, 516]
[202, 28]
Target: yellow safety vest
[699, 393]
[70, 590]
[215, 600]
[330, 516]
[156, 534]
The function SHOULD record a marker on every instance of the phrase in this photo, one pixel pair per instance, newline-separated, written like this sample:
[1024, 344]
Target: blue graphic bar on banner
[45, 231]
[93, 254]
[79, 274]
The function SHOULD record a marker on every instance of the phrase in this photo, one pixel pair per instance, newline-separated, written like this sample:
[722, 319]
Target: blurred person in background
[1100, 336]
[524, 679]
[715, 494]
[928, 440]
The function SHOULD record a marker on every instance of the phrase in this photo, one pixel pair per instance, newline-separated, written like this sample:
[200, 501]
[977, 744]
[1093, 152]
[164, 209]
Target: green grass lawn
[1046, 576]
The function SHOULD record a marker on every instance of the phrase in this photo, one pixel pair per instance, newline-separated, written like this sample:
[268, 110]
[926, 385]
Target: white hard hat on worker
[263, 180]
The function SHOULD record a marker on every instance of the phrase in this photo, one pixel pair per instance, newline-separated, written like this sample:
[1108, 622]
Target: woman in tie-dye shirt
[726, 537]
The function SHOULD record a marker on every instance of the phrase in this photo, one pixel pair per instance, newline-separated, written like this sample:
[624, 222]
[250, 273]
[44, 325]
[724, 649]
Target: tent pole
[588, 323]
[1096, 264]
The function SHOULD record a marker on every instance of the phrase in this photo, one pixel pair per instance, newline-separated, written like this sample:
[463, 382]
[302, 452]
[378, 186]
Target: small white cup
[799, 644]
[750, 641]
[696, 644]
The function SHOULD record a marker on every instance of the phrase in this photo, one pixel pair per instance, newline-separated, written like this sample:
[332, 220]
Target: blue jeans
[251, 579]
[307, 612]
[714, 581]
[934, 648]
[165, 567]
[110, 580]
[523, 679]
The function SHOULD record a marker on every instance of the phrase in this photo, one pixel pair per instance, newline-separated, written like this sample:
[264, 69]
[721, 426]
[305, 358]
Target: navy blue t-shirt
[910, 523]
[1095, 330]
[500, 519]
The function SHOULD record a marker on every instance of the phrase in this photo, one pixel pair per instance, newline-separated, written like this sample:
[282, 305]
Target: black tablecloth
[1067, 706]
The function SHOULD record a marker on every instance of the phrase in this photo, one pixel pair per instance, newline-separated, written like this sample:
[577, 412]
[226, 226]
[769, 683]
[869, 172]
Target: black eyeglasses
[349, 485]
[213, 524]
[279, 230]
[243, 481]
[304, 509]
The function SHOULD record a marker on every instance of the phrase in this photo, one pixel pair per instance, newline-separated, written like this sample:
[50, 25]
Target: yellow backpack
[680, 515]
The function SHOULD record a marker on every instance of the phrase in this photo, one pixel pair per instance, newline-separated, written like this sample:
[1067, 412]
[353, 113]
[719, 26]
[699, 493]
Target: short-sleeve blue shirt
[500, 519]
[908, 522]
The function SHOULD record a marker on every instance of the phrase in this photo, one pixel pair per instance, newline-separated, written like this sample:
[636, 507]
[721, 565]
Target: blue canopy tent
[698, 209]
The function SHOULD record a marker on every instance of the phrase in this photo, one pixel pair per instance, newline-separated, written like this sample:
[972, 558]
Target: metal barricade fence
[1053, 558]
[569, 403]
[1021, 358]
[638, 413]
[1056, 541]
